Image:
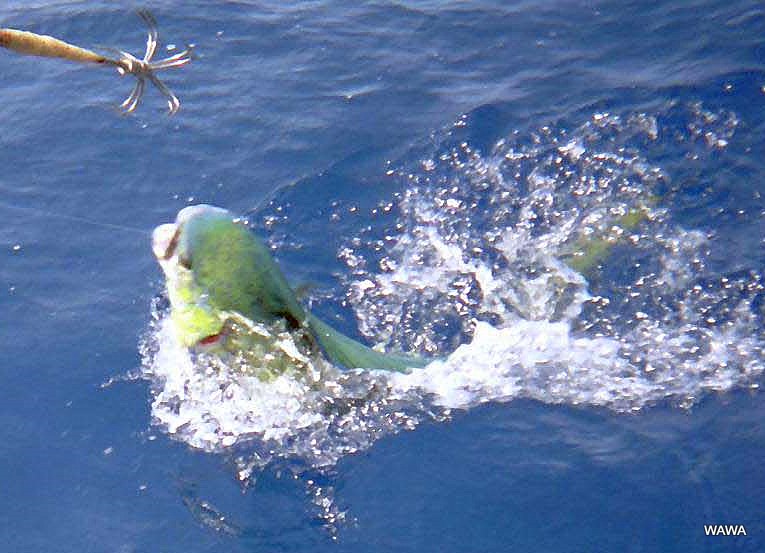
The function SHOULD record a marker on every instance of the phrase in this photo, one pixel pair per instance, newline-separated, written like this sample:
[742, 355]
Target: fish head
[204, 257]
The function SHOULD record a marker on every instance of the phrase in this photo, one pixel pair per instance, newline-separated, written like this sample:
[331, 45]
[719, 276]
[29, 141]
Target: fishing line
[46, 213]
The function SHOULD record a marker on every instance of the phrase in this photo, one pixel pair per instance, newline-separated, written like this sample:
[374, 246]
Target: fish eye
[184, 262]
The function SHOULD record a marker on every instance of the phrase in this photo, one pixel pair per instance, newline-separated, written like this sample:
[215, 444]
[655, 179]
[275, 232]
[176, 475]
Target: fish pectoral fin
[292, 321]
[351, 354]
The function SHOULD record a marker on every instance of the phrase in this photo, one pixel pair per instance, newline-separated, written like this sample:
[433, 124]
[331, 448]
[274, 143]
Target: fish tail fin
[348, 352]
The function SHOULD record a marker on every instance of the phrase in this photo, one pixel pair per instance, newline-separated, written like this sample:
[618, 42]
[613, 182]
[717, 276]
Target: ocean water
[433, 170]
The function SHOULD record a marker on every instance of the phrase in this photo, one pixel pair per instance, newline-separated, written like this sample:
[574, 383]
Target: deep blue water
[311, 109]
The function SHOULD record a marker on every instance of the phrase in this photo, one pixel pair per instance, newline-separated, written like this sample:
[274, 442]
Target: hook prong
[151, 39]
[132, 101]
[173, 102]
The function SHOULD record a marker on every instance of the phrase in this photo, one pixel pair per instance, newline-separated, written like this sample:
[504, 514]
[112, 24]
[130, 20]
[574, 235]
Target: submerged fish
[227, 293]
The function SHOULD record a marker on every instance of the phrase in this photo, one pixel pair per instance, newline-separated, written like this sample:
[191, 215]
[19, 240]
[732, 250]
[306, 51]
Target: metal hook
[144, 68]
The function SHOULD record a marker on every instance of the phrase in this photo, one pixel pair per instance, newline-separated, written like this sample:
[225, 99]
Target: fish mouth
[164, 241]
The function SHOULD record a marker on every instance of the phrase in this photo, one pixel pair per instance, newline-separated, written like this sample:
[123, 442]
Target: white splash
[481, 261]
[213, 405]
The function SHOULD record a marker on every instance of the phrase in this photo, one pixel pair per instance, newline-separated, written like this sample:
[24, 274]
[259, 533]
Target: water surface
[425, 165]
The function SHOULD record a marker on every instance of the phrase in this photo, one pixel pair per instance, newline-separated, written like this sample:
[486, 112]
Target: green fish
[227, 294]
[587, 254]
